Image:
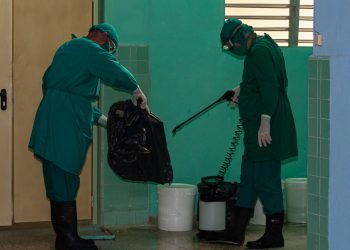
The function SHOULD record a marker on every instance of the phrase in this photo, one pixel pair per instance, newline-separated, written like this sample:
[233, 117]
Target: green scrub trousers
[261, 179]
[60, 185]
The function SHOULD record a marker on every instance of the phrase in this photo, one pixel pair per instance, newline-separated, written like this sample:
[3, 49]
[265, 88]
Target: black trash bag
[137, 148]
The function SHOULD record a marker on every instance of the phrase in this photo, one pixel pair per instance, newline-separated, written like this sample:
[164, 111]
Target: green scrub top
[263, 90]
[62, 130]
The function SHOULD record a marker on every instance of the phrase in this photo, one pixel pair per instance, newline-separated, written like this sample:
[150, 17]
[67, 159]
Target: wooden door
[39, 27]
[6, 115]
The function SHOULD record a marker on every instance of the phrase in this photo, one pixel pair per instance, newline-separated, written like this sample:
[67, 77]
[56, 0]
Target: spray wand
[227, 96]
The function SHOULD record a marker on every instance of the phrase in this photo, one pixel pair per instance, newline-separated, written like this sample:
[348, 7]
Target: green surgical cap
[228, 27]
[105, 27]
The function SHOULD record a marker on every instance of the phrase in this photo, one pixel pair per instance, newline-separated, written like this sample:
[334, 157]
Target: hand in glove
[234, 99]
[139, 96]
[102, 121]
[264, 137]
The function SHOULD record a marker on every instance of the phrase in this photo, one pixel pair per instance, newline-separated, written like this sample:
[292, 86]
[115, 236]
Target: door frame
[98, 17]
[6, 117]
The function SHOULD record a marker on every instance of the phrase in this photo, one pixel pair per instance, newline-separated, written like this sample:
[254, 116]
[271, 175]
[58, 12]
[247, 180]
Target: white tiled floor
[143, 237]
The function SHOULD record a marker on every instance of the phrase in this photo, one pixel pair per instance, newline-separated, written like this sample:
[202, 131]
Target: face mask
[241, 50]
[238, 36]
[105, 46]
[109, 46]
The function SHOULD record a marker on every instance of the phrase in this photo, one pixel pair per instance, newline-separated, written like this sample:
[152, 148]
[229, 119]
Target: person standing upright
[269, 131]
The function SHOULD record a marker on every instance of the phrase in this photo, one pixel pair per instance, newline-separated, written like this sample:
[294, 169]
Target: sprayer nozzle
[228, 95]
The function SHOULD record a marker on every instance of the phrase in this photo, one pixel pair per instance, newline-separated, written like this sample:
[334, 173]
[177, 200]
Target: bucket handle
[213, 180]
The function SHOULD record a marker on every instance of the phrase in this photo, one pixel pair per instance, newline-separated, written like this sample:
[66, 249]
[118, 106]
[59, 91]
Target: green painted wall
[188, 71]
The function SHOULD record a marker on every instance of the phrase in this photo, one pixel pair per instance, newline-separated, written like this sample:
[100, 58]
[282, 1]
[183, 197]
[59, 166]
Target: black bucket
[218, 197]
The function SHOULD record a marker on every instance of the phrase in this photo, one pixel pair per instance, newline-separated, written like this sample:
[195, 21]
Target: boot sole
[266, 247]
[274, 248]
[227, 242]
[88, 247]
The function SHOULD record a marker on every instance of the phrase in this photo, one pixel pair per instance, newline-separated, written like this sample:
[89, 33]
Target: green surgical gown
[62, 130]
[263, 90]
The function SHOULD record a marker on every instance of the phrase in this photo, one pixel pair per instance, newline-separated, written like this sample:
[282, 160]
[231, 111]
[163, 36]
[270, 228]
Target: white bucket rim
[295, 180]
[177, 185]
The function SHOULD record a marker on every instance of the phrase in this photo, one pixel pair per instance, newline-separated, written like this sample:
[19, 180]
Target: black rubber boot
[236, 234]
[272, 237]
[242, 218]
[64, 222]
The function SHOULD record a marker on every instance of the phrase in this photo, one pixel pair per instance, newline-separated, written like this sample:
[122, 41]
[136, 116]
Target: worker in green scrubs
[62, 130]
[269, 131]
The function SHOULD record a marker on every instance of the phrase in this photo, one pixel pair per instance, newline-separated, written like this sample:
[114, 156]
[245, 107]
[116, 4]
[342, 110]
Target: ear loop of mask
[112, 46]
[228, 45]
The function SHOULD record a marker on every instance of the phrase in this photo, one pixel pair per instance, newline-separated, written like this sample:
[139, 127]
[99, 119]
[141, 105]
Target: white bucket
[296, 194]
[176, 206]
[259, 215]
